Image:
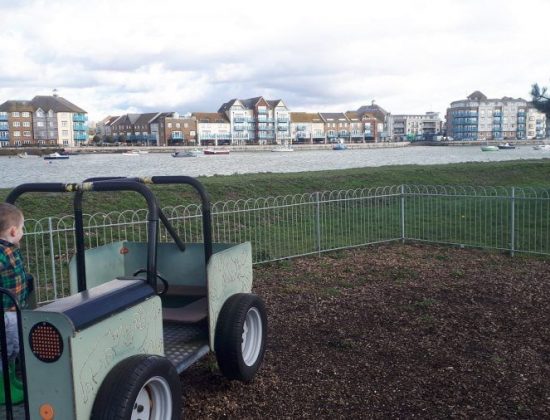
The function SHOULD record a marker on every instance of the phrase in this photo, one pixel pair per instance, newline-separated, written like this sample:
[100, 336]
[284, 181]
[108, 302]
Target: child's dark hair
[9, 216]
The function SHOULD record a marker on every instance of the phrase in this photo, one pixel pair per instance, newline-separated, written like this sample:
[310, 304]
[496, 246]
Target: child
[14, 278]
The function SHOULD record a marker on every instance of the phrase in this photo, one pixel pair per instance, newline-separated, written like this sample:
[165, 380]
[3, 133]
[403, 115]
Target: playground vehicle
[138, 315]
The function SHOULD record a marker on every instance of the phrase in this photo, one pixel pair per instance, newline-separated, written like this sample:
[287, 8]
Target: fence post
[52, 257]
[512, 221]
[318, 221]
[403, 213]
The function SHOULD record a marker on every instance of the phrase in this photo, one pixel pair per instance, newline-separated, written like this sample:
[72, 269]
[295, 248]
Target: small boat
[23, 155]
[131, 153]
[216, 151]
[285, 148]
[542, 147]
[339, 146]
[506, 146]
[489, 148]
[187, 153]
[55, 156]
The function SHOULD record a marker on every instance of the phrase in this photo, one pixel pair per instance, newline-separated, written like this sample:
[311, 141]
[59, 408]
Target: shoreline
[40, 151]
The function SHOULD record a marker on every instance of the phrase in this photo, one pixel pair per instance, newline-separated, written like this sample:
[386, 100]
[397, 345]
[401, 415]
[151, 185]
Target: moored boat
[542, 147]
[286, 148]
[187, 153]
[506, 146]
[489, 148]
[216, 151]
[339, 146]
[55, 156]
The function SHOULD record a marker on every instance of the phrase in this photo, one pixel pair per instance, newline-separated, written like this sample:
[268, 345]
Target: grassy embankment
[532, 173]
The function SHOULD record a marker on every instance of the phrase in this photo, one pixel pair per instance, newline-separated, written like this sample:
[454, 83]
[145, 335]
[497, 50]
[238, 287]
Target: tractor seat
[189, 314]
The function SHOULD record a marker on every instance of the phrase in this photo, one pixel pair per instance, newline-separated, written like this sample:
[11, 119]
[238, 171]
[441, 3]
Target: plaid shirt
[12, 274]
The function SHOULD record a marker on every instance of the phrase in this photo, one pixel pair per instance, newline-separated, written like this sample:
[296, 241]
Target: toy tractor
[137, 316]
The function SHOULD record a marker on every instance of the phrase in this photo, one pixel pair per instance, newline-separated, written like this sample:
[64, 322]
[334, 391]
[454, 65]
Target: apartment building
[480, 118]
[307, 127]
[415, 126]
[383, 120]
[337, 125]
[363, 127]
[152, 129]
[44, 120]
[213, 128]
[16, 128]
[257, 121]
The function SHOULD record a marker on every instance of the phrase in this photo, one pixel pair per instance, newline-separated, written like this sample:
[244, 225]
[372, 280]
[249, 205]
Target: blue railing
[80, 117]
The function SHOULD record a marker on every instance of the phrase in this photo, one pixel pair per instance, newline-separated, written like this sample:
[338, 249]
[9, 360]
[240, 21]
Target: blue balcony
[4, 126]
[80, 136]
[5, 137]
[3, 116]
[262, 111]
[239, 119]
[282, 120]
[238, 128]
[79, 126]
[279, 128]
[80, 117]
[176, 136]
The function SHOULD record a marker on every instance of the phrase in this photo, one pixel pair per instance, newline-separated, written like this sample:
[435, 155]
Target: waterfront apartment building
[307, 127]
[413, 127]
[214, 129]
[257, 121]
[44, 120]
[480, 118]
[152, 129]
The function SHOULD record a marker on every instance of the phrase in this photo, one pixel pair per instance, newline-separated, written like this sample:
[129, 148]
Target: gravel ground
[393, 331]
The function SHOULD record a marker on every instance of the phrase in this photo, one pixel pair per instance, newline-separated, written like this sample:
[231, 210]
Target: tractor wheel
[140, 387]
[241, 334]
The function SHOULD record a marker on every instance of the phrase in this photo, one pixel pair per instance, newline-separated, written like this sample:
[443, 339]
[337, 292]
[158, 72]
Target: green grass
[530, 173]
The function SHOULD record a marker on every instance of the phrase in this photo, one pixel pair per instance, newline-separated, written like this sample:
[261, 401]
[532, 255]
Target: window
[65, 132]
[17, 134]
[15, 114]
[26, 124]
[63, 123]
[178, 125]
[40, 124]
[25, 115]
[16, 124]
[50, 124]
[169, 125]
[27, 133]
[185, 125]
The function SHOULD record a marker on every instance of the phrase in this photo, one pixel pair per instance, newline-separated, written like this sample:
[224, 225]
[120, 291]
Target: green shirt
[12, 274]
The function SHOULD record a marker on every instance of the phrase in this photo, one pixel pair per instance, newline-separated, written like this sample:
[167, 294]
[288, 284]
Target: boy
[14, 278]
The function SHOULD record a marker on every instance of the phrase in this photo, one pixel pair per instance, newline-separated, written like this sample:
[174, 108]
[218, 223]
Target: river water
[16, 171]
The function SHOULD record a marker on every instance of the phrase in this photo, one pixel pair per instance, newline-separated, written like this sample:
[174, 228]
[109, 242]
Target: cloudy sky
[410, 56]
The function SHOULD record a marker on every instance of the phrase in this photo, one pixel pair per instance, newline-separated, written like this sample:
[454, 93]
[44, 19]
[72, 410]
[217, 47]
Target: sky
[112, 57]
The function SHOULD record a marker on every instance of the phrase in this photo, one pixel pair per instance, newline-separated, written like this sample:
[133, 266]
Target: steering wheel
[162, 279]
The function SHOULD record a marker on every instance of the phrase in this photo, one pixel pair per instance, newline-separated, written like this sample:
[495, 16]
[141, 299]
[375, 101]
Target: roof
[374, 109]
[56, 104]
[16, 105]
[305, 117]
[210, 117]
[251, 103]
[477, 96]
[335, 116]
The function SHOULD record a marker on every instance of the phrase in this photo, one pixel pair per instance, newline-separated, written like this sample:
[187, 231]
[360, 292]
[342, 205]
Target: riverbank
[525, 173]
[41, 151]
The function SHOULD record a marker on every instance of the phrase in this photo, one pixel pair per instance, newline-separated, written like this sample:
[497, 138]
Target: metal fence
[512, 219]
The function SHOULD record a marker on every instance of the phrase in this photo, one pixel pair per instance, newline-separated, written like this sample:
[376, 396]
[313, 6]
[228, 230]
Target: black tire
[139, 378]
[240, 311]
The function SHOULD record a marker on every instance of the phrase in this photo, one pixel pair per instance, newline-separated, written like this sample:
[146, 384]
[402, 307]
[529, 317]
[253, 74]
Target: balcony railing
[239, 119]
[3, 117]
[80, 117]
[80, 136]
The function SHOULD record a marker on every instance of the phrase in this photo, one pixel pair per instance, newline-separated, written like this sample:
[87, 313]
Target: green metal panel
[107, 262]
[71, 383]
[97, 349]
[229, 272]
[50, 383]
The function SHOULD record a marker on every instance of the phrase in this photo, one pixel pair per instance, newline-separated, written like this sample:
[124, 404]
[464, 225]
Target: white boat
[131, 153]
[187, 153]
[506, 146]
[489, 148]
[339, 146]
[216, 151]
[285, 148]
[542, 147]
[54, 156]
[23, 155]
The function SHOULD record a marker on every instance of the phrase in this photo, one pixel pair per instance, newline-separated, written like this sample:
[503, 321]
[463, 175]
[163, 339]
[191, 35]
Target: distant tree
[96, 139]
[541, 99]
[109, 139]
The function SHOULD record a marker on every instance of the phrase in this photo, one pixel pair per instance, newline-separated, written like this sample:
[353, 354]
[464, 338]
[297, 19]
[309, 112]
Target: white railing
[511, 219]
